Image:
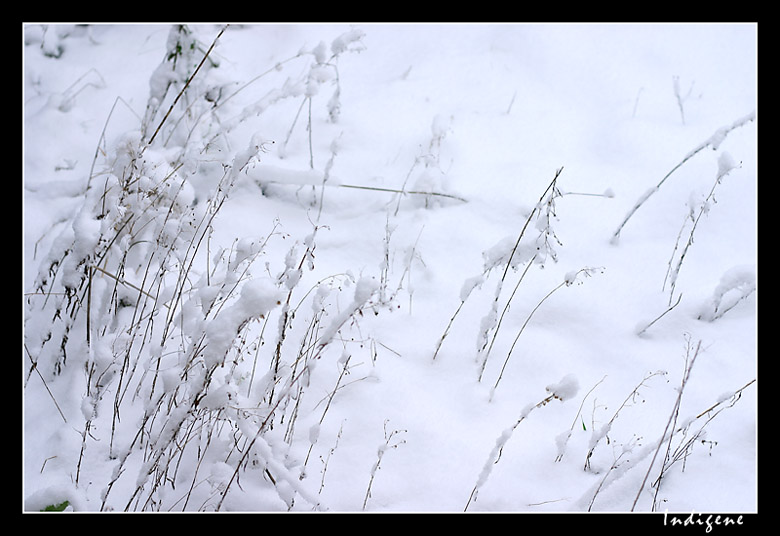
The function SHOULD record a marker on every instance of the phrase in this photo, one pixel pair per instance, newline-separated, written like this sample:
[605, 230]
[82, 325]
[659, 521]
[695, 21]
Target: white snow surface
[324, 126]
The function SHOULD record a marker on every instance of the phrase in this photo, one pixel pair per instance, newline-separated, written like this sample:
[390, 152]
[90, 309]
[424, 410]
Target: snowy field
[390, 268]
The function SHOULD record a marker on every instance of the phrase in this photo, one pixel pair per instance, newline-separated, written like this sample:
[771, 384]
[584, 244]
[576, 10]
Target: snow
[340, 234]
[739, 282]
[566, 388]
[725, 164]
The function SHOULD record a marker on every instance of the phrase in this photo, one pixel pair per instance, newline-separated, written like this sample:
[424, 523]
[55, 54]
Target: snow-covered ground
[543, 389]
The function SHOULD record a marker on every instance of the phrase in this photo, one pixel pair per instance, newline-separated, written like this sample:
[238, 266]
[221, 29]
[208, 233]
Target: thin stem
[186, 85]
[641, 331]
[713, 141]
[522, 328]
[672, 418]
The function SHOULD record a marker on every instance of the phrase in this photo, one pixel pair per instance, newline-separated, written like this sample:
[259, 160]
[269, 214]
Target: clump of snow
[508, 251]
[56, 495]
[566, 388]
[735, 285]
[571, 277]
[719, 135]
[220, 397]
[342, 43]
[469, 285]
[245, 248]
[364, 289]
[258, 297]
[725, 163]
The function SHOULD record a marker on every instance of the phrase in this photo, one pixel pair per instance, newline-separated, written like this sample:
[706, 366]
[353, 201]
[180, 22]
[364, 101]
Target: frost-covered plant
[673, 446]
[570, 279]
[688, 433]
[510, 253]
[735, 285]
[564, 390]
[643, 325]
[426, 173]
[679, 97]
[691, 432]
[514, 254]
[692, 352]
[257, 433]
[159, 336]
[322, 70]
[697, 208]
[602, 432]
[390, 442]
[184, 58]
[714, 142]
[388, 295]
[695, 213]
[563, 439]
[626, 457]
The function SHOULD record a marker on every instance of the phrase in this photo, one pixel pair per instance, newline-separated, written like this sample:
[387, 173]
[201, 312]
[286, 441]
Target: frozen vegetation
[390, 268]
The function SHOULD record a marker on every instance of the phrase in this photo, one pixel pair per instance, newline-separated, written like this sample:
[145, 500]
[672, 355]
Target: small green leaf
[583, 425]
[56, 507]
